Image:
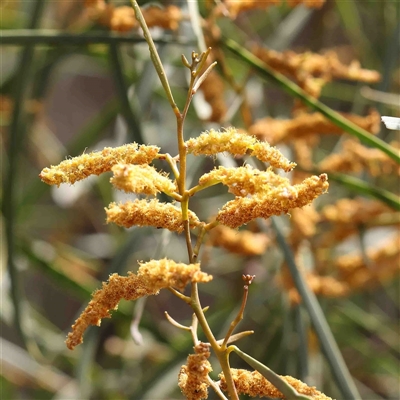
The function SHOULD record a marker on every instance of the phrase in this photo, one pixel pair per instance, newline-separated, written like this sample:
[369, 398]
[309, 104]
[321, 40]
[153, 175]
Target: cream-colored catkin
[244, 242]
[236, 7]
[325, 286]
[165, 272]
[377, 266]
[143, 179]
[326, 66]
[303, 223]
[305, 125]
[243, 181]
[237, 143]
[122, 18]
[150, 279]
[95, 163]
[347, 215]
[355, 157]
[276, 201]
[353, 211]
[129, 287]
[193, 377]
[255, 385]
[149, 213]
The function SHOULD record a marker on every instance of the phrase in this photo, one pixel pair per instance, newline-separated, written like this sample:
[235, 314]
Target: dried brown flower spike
[193, 377]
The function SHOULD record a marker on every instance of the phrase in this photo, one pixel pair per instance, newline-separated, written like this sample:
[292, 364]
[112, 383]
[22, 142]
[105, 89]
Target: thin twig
[175, 323]
[247, 279]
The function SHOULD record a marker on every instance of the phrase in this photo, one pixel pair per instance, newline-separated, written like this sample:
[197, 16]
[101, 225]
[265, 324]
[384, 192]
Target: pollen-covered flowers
[78, 168]
[273, 201]
[255, 385]
[149, 213]
[143, 179]
[150, 279]
[193, 377]
[237, 143]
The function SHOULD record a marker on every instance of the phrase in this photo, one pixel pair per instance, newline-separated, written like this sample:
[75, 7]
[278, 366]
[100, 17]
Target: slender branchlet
[248, 279]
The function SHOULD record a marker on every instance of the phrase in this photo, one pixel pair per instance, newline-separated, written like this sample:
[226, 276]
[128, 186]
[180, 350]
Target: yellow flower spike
[149, 213]
[274, 201]
[264, 152]
[164, 273]
[243, 181]
[143, 179]
[152, 276]
[78, 168]
[237, 143]
[255, 385]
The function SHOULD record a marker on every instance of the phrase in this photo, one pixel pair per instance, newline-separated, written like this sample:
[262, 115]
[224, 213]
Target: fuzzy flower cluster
[238, 144]
[122, 18]
[272, 200]
[243, 181]
[150, 279]
[255, 385]
[355, 157]
[244, 242]
[305, 125]
[149, 213]
[193, 377]
[312, 71]
[143, 179]
[236, 7]
[95, 163]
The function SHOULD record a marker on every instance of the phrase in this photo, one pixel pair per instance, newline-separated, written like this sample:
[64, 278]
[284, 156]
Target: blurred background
[75, 79]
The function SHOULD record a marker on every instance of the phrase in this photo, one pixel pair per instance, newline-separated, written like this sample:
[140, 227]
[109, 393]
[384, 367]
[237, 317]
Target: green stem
[317, 317]
[289, 391]
[222, 355]
[266, 72]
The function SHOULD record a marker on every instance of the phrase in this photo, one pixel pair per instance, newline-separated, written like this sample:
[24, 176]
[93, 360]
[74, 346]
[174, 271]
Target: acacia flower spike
[255, 385]
[95, 163]
[144, 179]
[152, 276]
[275, 201]
[149, 213]
[237, 143]
[242, 181]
